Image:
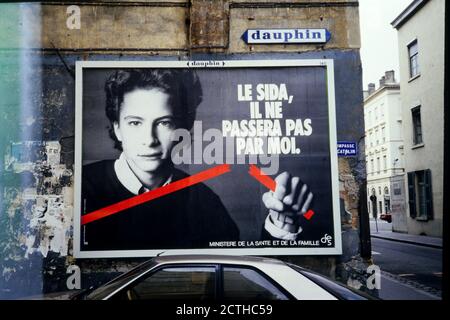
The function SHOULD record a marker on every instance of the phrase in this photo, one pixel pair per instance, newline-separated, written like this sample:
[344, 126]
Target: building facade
[384, 142]
[40, 44]
[421, 39]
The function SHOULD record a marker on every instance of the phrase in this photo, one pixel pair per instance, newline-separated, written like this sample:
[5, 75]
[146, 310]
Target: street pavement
[383, 230]
[411, 266]
[392, 288]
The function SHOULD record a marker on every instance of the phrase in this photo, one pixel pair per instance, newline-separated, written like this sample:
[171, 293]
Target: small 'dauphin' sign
[277, 36]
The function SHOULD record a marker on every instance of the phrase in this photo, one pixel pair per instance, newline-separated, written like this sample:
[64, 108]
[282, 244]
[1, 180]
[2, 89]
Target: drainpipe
[364, 224]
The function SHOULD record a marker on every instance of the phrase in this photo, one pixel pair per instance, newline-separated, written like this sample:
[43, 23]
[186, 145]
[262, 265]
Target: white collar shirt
[128, 179]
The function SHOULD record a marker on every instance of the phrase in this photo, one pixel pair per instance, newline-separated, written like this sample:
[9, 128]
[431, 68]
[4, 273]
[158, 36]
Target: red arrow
[308, 215]
[265, 180]
[156, 193]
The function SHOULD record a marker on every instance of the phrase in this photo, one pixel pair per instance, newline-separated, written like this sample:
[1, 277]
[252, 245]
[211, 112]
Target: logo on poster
[326, 239]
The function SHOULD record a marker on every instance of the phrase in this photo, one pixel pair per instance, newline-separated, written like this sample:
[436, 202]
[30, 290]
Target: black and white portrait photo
[172, 156]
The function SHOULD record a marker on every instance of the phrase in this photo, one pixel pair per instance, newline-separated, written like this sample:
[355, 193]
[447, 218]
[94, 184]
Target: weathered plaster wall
[38, 133]
[36, 176]
[105, 27]
[341, 21]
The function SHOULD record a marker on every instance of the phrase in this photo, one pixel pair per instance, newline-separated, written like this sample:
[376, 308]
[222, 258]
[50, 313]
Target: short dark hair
[182, 86]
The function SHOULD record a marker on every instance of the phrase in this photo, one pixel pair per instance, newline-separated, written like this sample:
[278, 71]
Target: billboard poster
[201, 157]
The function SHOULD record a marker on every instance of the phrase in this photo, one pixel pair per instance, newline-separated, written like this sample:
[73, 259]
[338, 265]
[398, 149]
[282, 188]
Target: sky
[379, 48]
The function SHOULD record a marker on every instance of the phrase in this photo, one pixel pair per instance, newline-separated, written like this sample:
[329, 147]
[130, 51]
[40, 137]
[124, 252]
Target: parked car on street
[215, 277]
[386, 217]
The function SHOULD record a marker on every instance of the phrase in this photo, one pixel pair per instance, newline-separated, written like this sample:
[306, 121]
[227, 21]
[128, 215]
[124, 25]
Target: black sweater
[188, 218]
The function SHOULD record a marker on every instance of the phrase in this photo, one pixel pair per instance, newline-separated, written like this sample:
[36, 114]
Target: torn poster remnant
[41, 210]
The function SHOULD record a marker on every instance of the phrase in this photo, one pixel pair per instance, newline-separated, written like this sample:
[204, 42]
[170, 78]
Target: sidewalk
[395, 288]
[384, 233]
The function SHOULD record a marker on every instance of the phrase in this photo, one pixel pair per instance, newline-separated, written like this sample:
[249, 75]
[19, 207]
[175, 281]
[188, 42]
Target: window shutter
[429, 194]
[412, 195]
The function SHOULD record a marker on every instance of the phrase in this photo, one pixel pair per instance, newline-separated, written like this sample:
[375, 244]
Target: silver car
[220, 278]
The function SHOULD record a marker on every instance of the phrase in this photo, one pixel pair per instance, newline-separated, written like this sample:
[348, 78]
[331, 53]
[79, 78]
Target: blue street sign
[347, 148]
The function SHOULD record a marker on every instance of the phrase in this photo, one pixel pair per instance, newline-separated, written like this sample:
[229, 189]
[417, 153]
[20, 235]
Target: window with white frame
[387, 200]
[417, 126]
[420, 195]
[413, 52]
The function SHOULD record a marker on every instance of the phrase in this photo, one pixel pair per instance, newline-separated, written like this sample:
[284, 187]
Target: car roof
[279, 271]
[225, 259]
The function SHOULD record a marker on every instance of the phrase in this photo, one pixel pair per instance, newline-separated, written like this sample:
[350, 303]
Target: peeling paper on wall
[45, 204]
[349, 192]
